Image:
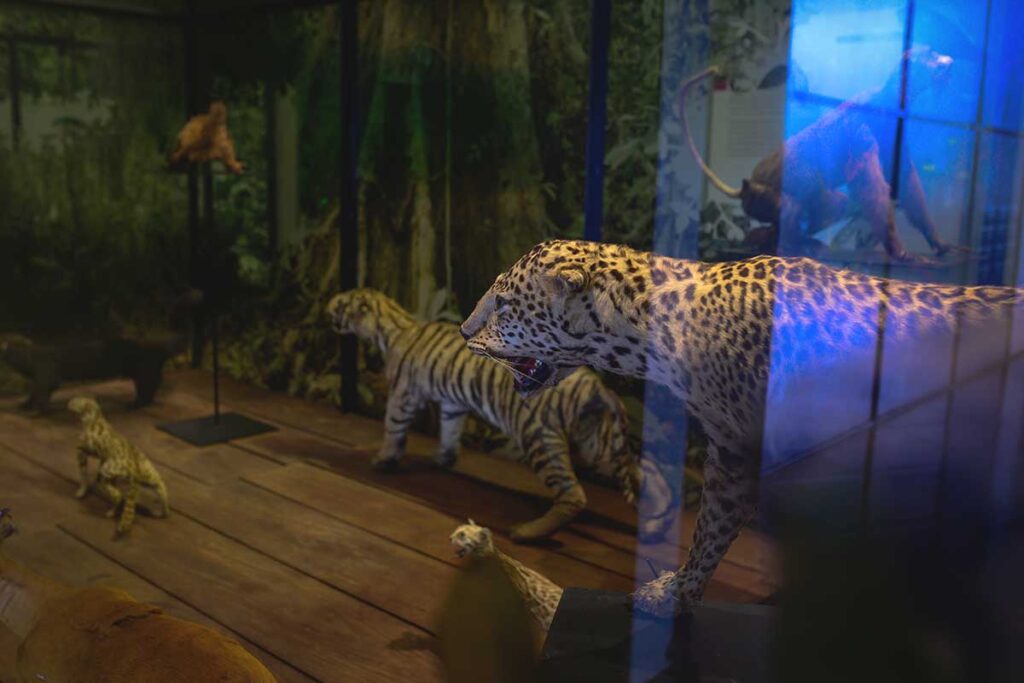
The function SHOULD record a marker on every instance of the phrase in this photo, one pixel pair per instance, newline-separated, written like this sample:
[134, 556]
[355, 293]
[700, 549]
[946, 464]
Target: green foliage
[91, 227]
[634, 92]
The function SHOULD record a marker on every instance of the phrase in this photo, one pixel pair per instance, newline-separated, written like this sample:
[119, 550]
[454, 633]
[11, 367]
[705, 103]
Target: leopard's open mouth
[530, 374]
[460, 551]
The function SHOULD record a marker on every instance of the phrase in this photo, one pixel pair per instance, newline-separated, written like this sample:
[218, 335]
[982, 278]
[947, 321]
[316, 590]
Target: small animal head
[359, 311]
[470, 539]
[923, 71]
[85, 407]
[538, 316]
[218, 112]
[7, 527]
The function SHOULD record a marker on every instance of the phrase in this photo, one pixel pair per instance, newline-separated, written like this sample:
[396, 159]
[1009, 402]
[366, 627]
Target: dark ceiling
[167, 8]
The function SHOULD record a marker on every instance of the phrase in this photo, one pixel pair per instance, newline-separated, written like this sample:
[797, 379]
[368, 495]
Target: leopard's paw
[658, 597]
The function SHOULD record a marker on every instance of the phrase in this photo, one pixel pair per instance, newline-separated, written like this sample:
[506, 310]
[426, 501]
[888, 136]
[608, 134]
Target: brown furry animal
[103, 635]
[838, 149]
[205, 138]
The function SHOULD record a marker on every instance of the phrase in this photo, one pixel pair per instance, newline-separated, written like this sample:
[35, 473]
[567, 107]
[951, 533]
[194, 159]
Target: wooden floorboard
[425, 530]
[42, 501]
[323, 632]
[291, 542]
[354, 561]
[608, 519]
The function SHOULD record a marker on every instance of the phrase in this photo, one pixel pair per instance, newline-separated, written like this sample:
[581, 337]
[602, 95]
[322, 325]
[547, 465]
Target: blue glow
[955, 29]
[1004, 91]
[843, 49]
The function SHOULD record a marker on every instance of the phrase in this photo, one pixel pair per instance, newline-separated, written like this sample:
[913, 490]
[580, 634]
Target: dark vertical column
[14, 74]
[876, 381]
[901, 118]
[597, 105]
[348, 216]
[192, 105]
[209, 230]
[270, 150]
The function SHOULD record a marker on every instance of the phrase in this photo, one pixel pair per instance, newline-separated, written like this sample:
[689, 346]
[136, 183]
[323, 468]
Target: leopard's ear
[472, 523]
[569, 278]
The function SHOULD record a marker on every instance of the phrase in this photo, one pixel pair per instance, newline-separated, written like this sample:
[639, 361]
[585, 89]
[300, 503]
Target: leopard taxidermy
[430, 362]
[539, 593]
[709, 332]
[119, 461]
[205, 138]
[798, 182]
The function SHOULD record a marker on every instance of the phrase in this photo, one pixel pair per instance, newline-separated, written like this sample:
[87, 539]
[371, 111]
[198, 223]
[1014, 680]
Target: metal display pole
[218, 427]
[348, 216]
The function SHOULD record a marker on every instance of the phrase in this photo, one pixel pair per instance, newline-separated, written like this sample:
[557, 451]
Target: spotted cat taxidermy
[430, 362]
[119, 462]
[710, 332]
[205, 138]
[539, 593]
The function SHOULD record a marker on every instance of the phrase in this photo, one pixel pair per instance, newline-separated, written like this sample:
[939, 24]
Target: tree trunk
[397, 218]
[497, 210]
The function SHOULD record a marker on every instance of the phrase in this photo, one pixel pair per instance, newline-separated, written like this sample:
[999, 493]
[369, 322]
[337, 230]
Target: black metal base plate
[206, 431]
[595, 636]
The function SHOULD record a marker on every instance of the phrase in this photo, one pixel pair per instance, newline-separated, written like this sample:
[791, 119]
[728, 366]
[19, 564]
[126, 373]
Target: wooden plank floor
[290, 542]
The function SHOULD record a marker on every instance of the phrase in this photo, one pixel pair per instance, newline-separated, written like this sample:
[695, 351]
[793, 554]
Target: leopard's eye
[500, 303]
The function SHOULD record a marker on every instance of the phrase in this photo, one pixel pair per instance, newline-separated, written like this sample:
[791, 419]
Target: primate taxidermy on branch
[799, 182]
[205, 138]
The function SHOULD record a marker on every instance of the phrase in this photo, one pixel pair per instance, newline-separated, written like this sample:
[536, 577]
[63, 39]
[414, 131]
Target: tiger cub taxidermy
[119, 463]
[205, 138]
[582, 417]
[795, 189]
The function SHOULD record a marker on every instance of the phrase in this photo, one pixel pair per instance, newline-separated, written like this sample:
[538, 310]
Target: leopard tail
[128, 511]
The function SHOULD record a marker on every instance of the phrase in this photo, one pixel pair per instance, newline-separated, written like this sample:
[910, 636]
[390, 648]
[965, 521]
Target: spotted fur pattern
[119, 463]
[582, 417]
[710, 332]
[539, 593]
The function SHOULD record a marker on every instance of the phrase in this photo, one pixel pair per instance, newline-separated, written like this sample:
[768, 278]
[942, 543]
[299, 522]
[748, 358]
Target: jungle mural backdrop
[473, 118]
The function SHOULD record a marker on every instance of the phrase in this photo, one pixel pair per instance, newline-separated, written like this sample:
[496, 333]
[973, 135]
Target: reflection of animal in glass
[709, 332]
[205, 138]
[430, 362]
[120, 462]
[799, 183]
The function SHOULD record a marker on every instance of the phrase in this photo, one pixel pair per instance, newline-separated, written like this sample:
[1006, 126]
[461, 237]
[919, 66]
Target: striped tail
[124, 524]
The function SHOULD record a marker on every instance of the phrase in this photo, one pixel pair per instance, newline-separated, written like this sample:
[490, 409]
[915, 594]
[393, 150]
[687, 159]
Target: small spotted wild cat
[120, 462]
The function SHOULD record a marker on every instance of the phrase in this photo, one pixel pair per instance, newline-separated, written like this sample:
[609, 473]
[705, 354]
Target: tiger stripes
[580, 417]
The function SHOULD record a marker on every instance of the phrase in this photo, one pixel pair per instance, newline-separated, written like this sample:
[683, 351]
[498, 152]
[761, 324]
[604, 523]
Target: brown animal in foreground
[205, 138]
[838, 149]
[97, 634]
